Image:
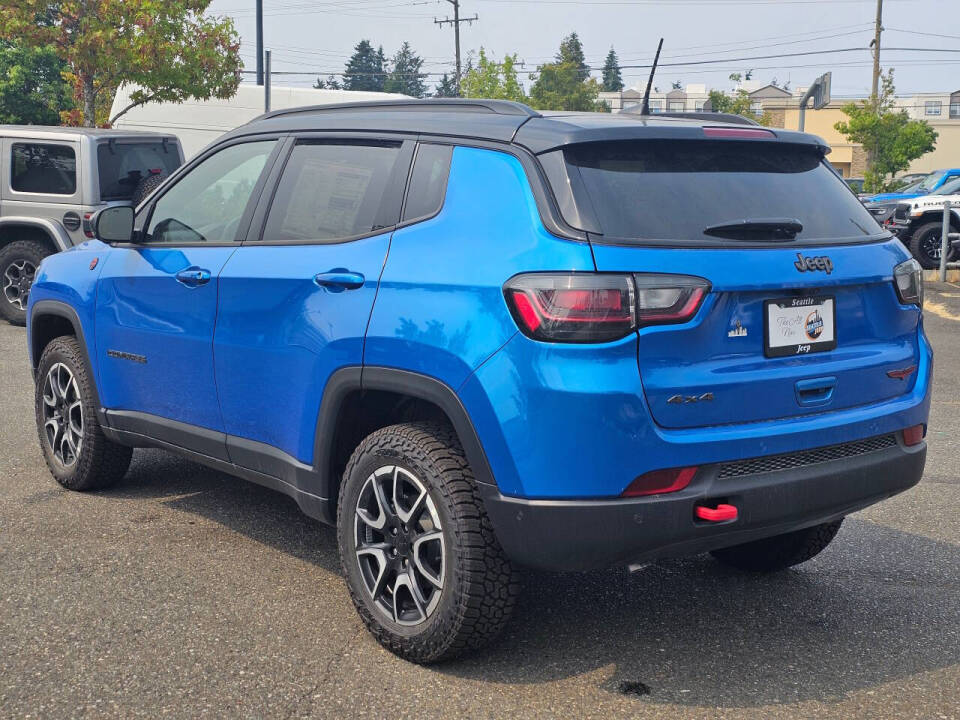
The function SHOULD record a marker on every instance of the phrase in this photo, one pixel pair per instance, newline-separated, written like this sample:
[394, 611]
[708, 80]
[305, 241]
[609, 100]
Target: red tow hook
[721, 513]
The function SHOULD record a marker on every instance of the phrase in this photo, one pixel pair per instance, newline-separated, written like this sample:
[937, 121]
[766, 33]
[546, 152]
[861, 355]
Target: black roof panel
[495, 120]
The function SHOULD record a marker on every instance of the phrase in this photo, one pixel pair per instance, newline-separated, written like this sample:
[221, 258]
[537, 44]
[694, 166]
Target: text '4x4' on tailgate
[802, 315]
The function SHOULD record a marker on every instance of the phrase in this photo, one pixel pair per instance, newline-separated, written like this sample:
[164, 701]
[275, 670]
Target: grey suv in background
[53, 179]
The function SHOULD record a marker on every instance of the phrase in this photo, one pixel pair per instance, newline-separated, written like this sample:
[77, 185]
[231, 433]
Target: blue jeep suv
[475, 337]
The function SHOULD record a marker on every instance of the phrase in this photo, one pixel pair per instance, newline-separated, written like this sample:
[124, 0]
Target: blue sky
[320, 36]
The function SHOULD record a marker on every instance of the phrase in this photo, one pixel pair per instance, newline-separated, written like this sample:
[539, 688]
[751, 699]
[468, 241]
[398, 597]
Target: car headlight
[908, 278]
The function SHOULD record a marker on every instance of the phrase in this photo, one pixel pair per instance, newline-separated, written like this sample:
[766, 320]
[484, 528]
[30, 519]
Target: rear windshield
[122, 165]
[675, 190]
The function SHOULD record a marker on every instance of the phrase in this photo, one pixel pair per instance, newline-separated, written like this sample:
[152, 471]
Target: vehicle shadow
[878, 605]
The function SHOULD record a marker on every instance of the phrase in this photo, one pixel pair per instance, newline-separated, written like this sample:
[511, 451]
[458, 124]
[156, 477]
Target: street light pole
[259, 42]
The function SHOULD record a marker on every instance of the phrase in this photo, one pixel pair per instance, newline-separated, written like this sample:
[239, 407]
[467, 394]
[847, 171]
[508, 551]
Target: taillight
[660, 481]
[599, 307]
[87, 228]
[913, 435]
[908, 279]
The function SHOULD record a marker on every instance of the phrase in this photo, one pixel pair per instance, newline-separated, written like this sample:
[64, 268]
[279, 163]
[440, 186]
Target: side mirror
[113, 224]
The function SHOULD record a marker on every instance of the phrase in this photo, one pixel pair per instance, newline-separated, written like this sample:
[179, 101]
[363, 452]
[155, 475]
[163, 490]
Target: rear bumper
[587, 534]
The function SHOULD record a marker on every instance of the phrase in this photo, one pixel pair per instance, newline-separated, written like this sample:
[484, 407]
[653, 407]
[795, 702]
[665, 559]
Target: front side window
[330, 192]
[44, 169]
[207, 203]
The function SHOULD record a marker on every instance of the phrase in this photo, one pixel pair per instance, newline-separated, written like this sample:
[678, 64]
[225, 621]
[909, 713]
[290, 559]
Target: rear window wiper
[770, 229]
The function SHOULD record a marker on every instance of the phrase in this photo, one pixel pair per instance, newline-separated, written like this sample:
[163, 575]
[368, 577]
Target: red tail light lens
[738, 133]
[599, 307]
[87, 229]
[574, 307]
[664, 299]
[660, 481]
[913, 435]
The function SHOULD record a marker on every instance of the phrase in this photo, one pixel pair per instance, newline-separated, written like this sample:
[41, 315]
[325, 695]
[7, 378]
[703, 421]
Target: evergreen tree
[571, 51]
[446, 88]
[612, 80]
[331, 83]
[365, 68]
[405, 77]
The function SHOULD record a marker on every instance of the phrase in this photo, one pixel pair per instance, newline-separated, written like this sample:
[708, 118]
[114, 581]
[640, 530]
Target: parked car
[476, 337]
[919, 223]
[53, 180]
[924, 187]
[909, 179]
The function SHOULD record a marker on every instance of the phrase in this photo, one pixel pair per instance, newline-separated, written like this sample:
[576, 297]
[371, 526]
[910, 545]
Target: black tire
[98, 462]
[479, 584]
[780, 551]
[146, 186]
[925, 245]
[18, 265]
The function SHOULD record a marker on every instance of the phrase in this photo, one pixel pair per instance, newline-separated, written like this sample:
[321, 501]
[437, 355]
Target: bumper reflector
[660, 481]
[913, 435]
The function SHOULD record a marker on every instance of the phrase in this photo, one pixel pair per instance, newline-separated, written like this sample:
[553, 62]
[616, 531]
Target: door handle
[193, 277]
[339, 280]
[817, 391]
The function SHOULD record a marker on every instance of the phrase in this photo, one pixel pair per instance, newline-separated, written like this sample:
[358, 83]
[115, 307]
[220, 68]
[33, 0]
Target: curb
[934, 275]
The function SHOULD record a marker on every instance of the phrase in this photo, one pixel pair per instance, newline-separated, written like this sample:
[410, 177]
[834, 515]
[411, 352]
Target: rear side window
[675, 190]
[122, 165]
[428, 182]
[330, 192]
[41, 168]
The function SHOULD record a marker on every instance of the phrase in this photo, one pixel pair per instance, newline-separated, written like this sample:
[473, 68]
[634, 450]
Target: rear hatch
[802, 315]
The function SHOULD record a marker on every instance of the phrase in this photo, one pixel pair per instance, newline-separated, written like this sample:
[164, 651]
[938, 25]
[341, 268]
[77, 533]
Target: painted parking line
[940, 311]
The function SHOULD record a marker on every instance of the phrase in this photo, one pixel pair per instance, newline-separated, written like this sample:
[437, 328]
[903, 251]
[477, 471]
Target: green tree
[405, 77]
[558, 86]
[612, 79]
[171, 50]
[489, 79]
[737, 104]
[32, 88]
[366, 68]
[331, 83]
[571, 51]
[892, 140]
[446, 88]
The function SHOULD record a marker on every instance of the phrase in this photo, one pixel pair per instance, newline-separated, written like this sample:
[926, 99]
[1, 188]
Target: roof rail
[497, 107]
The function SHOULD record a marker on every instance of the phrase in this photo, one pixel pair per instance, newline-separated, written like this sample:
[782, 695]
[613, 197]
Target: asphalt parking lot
[184, 592]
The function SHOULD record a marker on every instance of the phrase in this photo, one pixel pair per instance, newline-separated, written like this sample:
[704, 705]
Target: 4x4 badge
[687, 399]
[811, 264]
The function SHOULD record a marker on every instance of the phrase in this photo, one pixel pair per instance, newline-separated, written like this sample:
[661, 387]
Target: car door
[295, 300]
[157, 299]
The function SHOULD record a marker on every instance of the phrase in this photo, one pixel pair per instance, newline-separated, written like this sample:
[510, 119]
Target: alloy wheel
[399, 545]
[17, 279]
[931, 246]
[62, 414]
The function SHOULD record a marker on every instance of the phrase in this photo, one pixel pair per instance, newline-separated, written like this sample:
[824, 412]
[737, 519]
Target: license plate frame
[800, 315]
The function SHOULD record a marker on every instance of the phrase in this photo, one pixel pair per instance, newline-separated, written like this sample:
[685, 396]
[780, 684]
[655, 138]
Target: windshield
[928, 183]
[679, 189]
[950, 187]
[122, 165]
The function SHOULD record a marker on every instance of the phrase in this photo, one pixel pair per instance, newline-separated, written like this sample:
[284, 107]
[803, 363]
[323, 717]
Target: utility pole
[456, 31]
[259, 42]
[875, 93]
